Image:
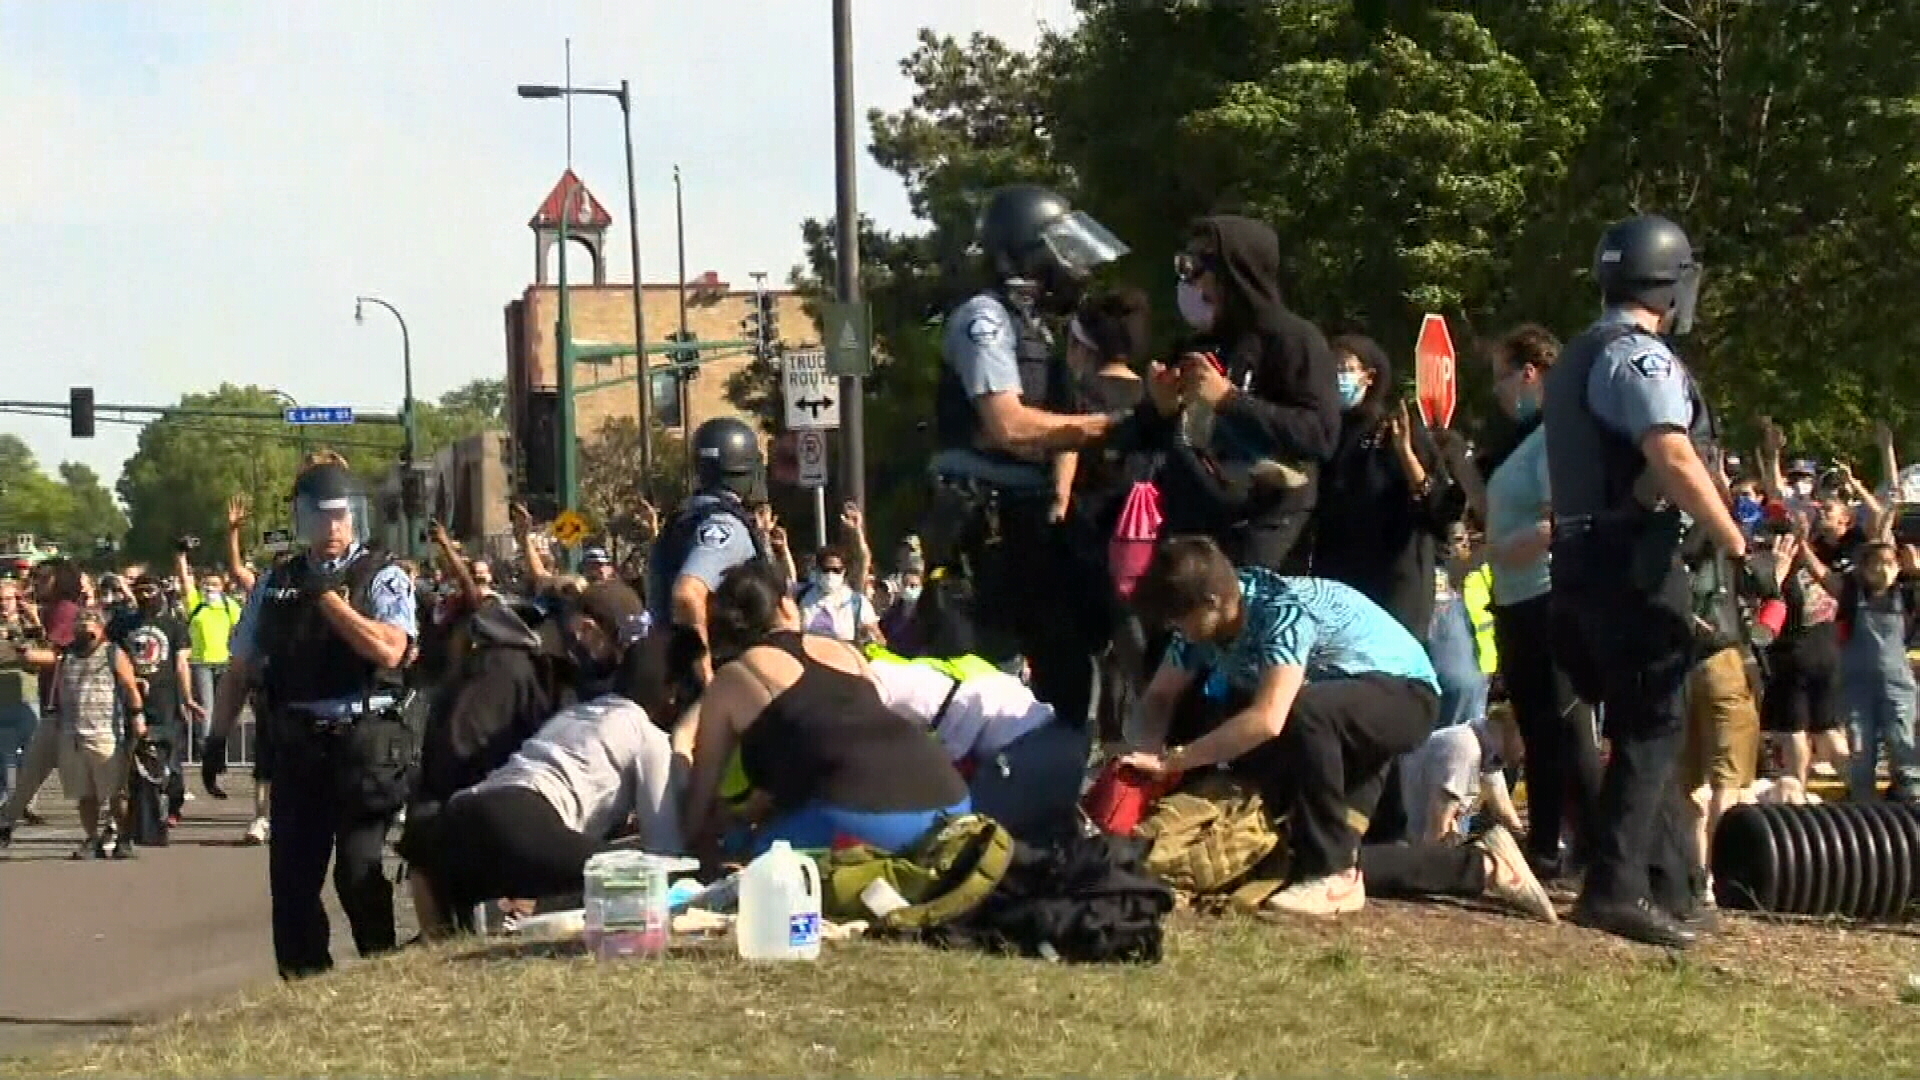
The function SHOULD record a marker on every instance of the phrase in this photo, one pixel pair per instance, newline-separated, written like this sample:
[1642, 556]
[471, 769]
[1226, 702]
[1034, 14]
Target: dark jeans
[1329, 764]
[1563, 750]
[312, 825]
[1416, 870]
[1629, 651]
[1025, 602]
[1274, 544]
[503, 842]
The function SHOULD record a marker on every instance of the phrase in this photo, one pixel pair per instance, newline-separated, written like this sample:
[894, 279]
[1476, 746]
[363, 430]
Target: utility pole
[682, 379]
[847, 246]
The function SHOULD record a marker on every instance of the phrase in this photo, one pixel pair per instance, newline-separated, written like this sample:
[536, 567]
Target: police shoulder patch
[715, 533]
[1652, 362]
[985, 328]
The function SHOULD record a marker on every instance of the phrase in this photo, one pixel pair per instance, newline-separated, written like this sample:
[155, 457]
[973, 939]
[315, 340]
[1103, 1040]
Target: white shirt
[987, 713]
[596, 763]
[838, 613]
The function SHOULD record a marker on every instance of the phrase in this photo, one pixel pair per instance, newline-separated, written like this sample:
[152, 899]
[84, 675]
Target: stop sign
[1433, 372]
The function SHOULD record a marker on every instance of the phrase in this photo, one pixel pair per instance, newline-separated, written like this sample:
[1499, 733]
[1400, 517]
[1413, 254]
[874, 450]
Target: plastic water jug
[628, 903]
[779, 906]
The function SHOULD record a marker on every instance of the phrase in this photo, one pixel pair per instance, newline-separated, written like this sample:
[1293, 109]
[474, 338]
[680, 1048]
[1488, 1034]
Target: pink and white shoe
[1336, 894]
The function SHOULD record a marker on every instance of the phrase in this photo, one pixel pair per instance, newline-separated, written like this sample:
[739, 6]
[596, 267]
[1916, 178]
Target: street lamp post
[408, 415]
[847, 245]
[623, 95]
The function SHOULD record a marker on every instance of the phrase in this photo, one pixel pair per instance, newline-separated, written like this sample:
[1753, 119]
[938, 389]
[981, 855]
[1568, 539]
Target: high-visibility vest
[1476, 591]
[957, 668]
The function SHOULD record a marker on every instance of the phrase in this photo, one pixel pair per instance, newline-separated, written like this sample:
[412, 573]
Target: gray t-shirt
[596, 763]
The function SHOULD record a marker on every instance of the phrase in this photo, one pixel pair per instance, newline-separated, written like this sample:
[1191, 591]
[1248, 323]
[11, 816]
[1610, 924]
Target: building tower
[587, 223]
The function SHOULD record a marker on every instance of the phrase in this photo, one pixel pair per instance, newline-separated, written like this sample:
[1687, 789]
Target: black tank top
[829, 737]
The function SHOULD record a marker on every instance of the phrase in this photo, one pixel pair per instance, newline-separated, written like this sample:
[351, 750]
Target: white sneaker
[1335, 894]
[256, 832]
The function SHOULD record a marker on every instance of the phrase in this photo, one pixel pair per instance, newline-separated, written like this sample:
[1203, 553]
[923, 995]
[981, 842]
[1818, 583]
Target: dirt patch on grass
[1404, 988]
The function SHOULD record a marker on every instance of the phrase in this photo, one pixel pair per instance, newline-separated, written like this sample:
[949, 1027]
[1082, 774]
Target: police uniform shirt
[720, 543]
[1638, 385]
[390, 595]
[1330, 629]
[980, 347]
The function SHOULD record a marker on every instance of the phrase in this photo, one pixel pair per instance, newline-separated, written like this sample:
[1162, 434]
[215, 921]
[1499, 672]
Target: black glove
[313, 582]
[213, 762]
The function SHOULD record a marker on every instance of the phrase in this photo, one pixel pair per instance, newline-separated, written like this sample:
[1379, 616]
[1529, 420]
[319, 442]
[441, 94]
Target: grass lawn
[1399, 989]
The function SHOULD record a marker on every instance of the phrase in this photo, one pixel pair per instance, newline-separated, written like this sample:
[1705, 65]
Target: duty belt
[334, 720]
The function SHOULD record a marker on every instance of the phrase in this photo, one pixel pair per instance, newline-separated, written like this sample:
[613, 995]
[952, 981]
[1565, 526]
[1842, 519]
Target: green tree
[610, 487]
[482, 398]
[72, 511]
[92, 512]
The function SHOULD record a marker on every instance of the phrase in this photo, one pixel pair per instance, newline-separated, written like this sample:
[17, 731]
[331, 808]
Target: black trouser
[1629, 650]
[1563, 750]
[503, 842]
[1415, 870]
[1273, 543]
[1024, 603]
[312, 823]
[1329, 764]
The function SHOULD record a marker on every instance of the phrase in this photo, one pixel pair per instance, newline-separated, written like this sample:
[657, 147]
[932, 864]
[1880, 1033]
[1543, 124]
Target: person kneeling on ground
[1323, 689]
[1024, 769]
[814, 737]
[528, 829]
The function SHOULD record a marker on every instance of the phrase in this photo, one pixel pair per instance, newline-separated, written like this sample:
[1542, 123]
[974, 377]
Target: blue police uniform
[710, 535]
[343, 752]
[1622, 597]
[1371, 694]
[990, 521]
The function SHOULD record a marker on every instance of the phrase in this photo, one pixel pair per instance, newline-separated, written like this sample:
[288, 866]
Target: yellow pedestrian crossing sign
[570, 528]
[849, 346]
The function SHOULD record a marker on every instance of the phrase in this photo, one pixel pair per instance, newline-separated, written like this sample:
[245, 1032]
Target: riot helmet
[329, 509]
[1034, 238]
[726, 455]
[1647, 260]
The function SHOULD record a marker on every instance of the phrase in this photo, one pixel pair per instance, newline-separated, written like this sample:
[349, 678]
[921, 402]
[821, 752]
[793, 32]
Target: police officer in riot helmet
[1630, 450]
[988, 533]
[324, 638]
[712, 533]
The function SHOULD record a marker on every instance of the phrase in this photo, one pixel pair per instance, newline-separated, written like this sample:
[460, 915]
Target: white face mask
[1803, 488]
[833, 582]
[1194, 306]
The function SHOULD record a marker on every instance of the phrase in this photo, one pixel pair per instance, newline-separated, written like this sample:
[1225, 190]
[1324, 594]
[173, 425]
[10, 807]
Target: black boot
[1637, 920]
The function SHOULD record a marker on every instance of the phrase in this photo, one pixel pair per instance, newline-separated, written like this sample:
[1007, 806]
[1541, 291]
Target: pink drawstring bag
[1134, 536]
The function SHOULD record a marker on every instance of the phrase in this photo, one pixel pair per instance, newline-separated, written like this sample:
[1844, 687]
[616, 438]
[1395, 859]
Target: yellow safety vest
[1476, 591]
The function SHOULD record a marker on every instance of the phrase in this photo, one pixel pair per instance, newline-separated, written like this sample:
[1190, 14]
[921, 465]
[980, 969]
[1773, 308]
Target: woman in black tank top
[812, 733]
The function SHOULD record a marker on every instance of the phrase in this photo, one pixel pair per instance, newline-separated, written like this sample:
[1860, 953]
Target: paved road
[86, 947]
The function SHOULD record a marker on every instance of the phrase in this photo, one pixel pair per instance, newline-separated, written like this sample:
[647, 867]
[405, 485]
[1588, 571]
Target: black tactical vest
[957, 423]
[306, 661]
[1591, 468]
[677, 541]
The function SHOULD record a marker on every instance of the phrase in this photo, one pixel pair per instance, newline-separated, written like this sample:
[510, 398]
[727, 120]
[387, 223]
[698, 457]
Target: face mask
[1525, 409]
[833, 580]
[1746, 508]
[911, 594]
[213, 596]
[1803, 488]
[1193, 306]
[1351, 389]
[85, 639]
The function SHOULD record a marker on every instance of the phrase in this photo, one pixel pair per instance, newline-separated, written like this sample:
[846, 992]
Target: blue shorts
[818, 825]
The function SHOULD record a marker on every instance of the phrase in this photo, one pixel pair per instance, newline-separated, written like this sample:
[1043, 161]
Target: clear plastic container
[627, 905]
[779, 906]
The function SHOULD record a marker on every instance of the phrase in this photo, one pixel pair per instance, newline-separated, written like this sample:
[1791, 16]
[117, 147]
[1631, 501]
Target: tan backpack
[1209, 837]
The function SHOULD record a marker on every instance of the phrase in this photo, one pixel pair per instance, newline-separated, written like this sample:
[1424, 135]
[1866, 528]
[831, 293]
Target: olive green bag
[944, 875]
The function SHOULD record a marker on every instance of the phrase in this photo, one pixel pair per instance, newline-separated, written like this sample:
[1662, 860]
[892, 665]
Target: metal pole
[683, 380]
[410, 439]
[643, 365]
[847, 248]
[563, 350]
[819, 517]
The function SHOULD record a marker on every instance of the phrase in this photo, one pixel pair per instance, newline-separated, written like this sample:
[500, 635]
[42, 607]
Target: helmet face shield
[1080, 245]
[339, 521]
[1686, 294]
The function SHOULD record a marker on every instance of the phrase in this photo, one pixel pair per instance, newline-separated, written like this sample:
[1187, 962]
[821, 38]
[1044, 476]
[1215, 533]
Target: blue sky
[194, 192]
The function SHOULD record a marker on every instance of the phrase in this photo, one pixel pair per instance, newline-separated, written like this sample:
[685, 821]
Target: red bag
[1134, 535]
[1121, 796]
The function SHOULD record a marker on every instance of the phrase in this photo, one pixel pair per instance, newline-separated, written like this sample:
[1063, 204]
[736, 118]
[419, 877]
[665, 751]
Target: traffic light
[683, 358]
[80, 411]
[762, 325]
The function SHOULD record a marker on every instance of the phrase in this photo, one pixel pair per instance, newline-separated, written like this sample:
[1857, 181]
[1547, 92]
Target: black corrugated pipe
[1858, 859]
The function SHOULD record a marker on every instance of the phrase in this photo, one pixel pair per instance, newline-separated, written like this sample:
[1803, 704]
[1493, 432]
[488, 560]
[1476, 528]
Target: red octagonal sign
[1435, 383]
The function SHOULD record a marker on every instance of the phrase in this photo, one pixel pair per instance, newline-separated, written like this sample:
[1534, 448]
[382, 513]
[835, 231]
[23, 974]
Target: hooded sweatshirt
[1370, 531]
[1286, 406]
[498, 696]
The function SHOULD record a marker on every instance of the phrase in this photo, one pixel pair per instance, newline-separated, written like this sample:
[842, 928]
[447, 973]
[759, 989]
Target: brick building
[602, 314]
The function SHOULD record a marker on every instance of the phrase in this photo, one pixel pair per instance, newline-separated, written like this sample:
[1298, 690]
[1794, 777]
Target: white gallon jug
[779, 906]
[627, 903]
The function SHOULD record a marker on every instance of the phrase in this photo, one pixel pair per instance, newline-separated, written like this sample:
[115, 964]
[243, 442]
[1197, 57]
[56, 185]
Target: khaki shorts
[1723, 725]
[92, 767]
